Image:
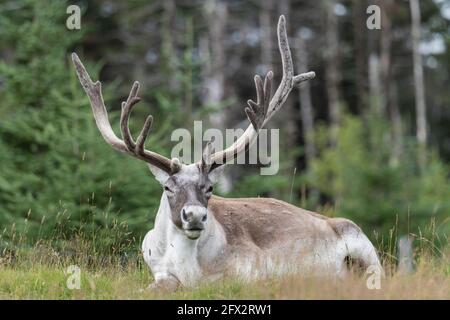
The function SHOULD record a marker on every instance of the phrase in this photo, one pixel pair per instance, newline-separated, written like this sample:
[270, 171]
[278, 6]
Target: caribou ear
[159, 174]
[215, 174]
[207, 165]
[206, 158]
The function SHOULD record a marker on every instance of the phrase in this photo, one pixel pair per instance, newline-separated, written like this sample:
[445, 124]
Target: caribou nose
[194, 214]
[187, 215]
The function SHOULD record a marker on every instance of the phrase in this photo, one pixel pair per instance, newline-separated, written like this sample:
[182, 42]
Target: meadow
[42, 273]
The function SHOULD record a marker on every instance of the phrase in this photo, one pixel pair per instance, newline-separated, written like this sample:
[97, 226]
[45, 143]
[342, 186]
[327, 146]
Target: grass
[47, 282]
[41, 274]
[111, 267]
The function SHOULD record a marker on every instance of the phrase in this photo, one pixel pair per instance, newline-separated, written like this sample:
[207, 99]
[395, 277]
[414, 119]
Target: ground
[47, 279]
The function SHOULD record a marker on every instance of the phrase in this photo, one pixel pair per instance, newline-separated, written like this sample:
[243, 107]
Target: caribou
[198, 236]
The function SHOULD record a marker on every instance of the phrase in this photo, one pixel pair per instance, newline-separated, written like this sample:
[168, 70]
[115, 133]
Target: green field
[42, 275]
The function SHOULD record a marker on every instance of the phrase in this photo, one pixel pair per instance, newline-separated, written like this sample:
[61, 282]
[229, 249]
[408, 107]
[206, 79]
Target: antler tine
[94, 92]
[127, 145]
[264, 108]
[303, 77]
[140, 142]
[127, 107]
[257, 111]
[288, 70]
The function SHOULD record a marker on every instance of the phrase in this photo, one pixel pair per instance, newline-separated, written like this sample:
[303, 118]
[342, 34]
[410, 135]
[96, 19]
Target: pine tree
[57, 176]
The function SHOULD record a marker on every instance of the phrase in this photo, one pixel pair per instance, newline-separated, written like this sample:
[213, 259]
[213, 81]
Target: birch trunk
[359, 31]
[213, 53]
[168, 17]
[421, 120]
[389, 97]
[332, 62]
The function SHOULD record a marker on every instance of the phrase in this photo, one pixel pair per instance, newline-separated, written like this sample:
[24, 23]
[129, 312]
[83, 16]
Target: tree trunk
[169, 59]
[215, 73]
[385, 54]
[213, 52]
[305, 102]
[306, 110]
[389, 99]
[332, 74]
[359, 31]
[397, 130]
[265, 21]
[375, 86]
[283, 8]
[421, 120]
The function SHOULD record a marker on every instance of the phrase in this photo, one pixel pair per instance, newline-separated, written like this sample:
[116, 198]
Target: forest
[367, 139]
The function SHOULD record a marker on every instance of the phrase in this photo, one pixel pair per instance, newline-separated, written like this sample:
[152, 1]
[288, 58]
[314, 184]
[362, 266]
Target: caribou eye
[210, 189]
[167, 189]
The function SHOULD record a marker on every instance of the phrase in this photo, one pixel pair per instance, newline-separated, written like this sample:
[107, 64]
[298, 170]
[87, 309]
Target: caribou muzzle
[193, 221]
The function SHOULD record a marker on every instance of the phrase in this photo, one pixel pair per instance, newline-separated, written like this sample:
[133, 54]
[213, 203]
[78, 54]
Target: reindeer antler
[126, 144]
[257, 111]
[264, 108]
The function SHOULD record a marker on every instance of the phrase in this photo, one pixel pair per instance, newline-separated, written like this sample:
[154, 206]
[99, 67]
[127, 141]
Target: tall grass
[112, 268]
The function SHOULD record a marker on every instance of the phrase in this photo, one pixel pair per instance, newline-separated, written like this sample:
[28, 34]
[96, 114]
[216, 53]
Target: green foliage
[375, 190]
[261, 186]
[57, 176]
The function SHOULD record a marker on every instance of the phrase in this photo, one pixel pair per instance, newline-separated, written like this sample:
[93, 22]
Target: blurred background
[367, 139]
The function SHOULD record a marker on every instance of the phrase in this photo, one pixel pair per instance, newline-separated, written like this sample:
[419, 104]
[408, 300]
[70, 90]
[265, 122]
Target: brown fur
[259, 220]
